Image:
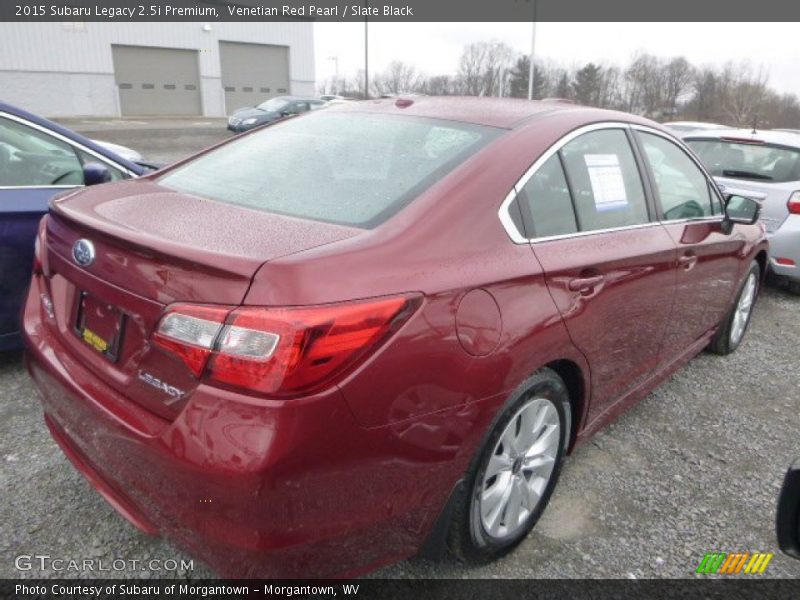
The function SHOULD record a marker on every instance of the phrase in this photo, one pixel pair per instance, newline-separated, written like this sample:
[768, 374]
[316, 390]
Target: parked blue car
[39, 159]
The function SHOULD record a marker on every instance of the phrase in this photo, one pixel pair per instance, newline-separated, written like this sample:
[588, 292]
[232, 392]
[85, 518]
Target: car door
[34, 165]
[708, 264]
[608, 264]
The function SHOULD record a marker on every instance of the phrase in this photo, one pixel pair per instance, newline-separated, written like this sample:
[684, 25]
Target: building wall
[66, 69]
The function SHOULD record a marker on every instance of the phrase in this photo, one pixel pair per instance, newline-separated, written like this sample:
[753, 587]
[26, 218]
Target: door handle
[585, 284]
[687, 261]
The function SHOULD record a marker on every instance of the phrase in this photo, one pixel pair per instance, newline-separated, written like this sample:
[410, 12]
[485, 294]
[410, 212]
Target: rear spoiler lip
[739, 140]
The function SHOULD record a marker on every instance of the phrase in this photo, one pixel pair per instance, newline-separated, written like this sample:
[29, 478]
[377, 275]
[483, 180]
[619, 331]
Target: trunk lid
[153, 247]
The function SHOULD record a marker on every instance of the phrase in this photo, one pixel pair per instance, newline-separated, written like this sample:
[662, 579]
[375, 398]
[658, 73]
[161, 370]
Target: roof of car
[780, 138]
[494, 112]
[694, 124]
[296, 98]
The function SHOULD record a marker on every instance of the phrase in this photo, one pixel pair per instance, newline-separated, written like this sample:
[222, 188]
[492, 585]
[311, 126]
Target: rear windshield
[352, 169]
[756, 162]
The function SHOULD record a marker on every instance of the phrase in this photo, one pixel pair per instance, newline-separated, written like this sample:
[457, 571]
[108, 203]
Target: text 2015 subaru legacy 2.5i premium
[375, 331]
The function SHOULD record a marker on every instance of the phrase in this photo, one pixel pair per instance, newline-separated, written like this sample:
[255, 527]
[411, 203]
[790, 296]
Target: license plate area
[100, 326]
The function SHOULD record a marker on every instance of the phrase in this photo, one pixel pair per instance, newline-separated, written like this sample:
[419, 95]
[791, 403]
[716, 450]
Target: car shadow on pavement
[10, 359]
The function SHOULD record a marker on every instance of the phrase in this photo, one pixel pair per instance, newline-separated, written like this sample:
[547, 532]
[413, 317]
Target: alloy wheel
[743, 309]
[519, 468]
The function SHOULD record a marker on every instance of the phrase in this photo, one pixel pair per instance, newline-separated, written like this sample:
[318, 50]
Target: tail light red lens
[280, 351]
[794, 203]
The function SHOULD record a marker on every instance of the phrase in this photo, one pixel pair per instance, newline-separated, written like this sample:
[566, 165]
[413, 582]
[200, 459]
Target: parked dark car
[271, 110]
[376, 330]
[38, 159]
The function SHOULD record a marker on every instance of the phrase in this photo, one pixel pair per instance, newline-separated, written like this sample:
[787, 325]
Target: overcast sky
[434, 48]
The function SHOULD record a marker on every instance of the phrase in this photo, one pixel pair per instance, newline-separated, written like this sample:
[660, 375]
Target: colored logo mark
[733, 563]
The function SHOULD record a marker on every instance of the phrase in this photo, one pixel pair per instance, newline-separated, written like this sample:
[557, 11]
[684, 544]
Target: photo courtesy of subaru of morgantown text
[298, 304]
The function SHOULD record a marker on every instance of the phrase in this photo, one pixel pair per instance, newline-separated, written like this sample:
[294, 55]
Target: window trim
[656, 219]
[70, 142]
[690, 154]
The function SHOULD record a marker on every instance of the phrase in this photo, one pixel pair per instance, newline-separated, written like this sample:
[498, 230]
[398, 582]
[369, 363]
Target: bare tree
[483, 67]
[677, 75]
[704, 98]
[735, 94]
[610, 93]
[470, 69]
[398, 78]
[644, 86]
[439, 85]
[744, 92]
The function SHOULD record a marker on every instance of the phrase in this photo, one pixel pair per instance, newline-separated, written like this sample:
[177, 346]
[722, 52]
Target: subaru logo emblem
[83, 252]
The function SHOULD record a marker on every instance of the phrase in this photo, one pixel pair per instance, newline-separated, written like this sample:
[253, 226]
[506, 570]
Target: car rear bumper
[784, 245]
[255, 488]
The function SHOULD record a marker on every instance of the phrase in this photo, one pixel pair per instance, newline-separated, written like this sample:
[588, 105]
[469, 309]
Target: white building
[129, 69]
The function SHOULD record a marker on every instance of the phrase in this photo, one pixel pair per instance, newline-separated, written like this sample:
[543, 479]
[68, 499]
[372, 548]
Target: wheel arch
[573, 377]
[763, 262]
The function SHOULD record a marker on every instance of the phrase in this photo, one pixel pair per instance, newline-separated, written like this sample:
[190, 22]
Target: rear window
[756, 162]
[351, 169]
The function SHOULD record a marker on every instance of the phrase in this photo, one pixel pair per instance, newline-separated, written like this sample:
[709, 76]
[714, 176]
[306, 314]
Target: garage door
[157, 81]
[252, 73]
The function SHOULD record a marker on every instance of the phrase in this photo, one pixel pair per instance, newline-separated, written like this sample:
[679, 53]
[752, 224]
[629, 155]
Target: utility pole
[531, 72]
[501, 72]
[335, 60]
[366, 52]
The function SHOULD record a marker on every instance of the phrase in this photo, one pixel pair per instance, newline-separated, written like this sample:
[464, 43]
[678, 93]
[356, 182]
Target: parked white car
[764, 165]
[681, 127]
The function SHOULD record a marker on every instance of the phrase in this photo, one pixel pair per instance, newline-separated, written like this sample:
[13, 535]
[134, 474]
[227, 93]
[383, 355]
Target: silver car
[682, 127]
[764, 165]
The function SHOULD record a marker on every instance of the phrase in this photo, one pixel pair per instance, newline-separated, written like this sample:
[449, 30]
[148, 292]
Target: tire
[482, 528]
[731, 332]
[793, 285]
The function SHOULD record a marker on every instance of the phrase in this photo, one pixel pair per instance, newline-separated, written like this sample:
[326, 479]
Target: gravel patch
[695, 467]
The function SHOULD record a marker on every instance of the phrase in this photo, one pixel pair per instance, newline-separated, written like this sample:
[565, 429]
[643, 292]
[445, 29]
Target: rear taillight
[794, 203]
[279, 351]
[190, 332]
[39, 246]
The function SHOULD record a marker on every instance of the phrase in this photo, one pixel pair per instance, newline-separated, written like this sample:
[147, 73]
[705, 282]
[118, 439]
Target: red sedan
[376, 330]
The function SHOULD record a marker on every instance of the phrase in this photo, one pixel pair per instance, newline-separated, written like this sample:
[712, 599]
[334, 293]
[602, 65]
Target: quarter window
[682, 187]
[546, 203]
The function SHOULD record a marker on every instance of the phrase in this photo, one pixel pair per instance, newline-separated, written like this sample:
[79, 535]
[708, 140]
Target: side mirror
[95, 173]
[739, 209]
[787, 522]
